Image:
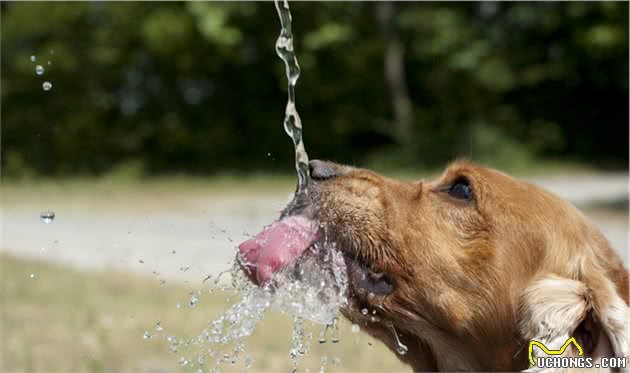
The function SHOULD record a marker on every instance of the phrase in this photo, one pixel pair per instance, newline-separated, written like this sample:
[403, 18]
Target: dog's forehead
[475, 172]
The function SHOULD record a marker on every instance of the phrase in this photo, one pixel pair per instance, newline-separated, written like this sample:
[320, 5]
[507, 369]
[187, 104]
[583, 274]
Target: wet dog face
[449, 267]
[410, 246]
[444, 261]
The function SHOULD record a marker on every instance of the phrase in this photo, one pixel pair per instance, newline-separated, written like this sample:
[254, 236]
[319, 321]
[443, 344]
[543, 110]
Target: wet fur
[474, 281]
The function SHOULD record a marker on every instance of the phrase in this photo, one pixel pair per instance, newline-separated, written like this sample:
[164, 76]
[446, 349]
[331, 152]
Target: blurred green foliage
[197, 88]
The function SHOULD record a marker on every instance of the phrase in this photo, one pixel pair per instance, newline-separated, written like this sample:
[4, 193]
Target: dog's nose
[321, 170]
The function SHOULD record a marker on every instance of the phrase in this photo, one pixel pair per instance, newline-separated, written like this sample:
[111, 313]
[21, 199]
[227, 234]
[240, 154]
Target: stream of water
[292, 121]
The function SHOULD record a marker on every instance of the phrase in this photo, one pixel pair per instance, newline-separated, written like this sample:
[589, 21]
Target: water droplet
[178, 305]
[32, 275]
[355, 328]
[334, 338]
[401, 348]
[39, 70]
[336, 361]
[268, 154]
[33, 59]
[140, 261]
[47, 86]
[184, 268]
[173, 252]
[182, 361]
[322, 334]
[364, 311]
[146, 335]
[193, 300]
[43, 248]
[162, 282]
[47, 217]
[158, 327]
[248, 361]
[48, 63]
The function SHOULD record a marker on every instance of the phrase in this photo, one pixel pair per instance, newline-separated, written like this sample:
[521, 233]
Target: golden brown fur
[474, 281]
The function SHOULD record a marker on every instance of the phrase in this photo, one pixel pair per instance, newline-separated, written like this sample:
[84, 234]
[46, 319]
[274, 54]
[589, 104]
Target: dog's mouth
[293, 236]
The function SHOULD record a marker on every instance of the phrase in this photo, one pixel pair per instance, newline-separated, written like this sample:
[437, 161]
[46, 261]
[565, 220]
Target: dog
[462, 271]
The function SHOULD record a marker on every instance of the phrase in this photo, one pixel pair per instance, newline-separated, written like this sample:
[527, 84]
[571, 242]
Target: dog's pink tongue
[276, 246]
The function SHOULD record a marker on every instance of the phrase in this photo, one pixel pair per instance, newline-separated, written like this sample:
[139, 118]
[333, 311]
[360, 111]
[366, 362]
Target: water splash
[311, 290]
[292, 121]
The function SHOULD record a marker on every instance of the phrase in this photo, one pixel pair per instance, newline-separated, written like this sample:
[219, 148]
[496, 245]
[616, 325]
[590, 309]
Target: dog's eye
[461, 189]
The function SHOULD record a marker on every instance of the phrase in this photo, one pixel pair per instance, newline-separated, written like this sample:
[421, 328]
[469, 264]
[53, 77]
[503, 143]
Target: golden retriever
[466, 268]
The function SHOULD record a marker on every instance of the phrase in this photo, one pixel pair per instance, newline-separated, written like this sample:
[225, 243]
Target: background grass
[66, 320]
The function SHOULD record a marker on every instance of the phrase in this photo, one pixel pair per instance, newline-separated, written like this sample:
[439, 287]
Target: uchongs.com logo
[554, 358]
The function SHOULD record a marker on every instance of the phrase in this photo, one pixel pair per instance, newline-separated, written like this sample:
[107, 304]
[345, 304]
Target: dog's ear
[554, 309]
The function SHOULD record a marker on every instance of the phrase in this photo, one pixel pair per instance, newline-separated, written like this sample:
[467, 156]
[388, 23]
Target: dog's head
[448, 263]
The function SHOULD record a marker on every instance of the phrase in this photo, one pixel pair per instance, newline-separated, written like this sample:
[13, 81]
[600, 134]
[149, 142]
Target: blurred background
[159, 146]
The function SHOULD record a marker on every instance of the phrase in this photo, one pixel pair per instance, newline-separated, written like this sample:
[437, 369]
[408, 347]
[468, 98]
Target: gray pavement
[201, 239]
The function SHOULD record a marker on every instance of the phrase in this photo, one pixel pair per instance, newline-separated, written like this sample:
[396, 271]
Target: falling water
[311, 290]
[292, 122]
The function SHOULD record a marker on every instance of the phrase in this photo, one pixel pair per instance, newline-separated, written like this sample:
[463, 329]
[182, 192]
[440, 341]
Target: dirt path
[189, 243]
